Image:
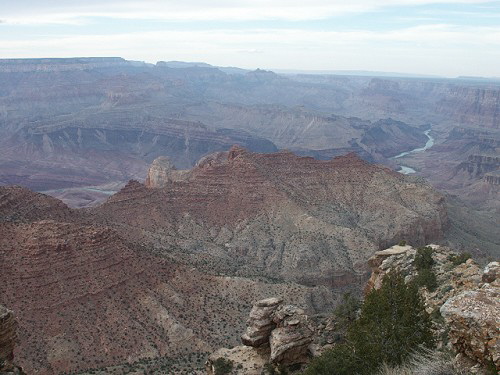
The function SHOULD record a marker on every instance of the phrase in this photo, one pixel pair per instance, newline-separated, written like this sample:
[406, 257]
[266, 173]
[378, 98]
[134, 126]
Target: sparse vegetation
[423, 263]
[402, 243]
[271, 369]
[459, 259]
[392, 323]
[223, 366]
[425, 363]
[346, 313]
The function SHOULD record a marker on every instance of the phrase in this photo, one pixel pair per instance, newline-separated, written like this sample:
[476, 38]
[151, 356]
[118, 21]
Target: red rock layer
[84, 299]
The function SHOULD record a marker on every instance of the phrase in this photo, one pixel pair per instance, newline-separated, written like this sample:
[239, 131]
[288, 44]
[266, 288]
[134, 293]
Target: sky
[446, 38]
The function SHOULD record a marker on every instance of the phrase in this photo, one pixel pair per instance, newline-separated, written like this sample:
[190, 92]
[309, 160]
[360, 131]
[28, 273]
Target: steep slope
[21, 204]
[85, 299]
[305, 220]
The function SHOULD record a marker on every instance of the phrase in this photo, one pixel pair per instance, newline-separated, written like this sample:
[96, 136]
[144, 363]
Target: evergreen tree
[392, 324]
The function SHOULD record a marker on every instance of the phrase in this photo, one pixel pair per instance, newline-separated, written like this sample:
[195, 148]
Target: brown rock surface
[290, 340]
[277, 334]
[491, 272]
[151, 259]
[474, 320]
[85, 299]
[281, 215]
[260, 322]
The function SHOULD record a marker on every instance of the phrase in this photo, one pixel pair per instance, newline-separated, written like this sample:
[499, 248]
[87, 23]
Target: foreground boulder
[473, 318]
[277, 334]
[260, 322]
[491, 272]
[290, 341]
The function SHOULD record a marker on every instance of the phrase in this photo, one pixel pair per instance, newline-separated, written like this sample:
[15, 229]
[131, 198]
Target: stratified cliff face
[315, 134]
[478, 165]
[479, 106]
[466, 103]
[305, 220]
[81, 153]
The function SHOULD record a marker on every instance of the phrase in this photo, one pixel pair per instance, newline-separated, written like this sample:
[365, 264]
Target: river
[407, 170]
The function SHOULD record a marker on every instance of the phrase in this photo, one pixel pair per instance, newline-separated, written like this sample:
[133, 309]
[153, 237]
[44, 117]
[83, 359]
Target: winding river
[407, 170]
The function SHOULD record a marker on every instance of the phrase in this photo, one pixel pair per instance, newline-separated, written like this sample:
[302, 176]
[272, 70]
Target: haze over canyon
[168, 198]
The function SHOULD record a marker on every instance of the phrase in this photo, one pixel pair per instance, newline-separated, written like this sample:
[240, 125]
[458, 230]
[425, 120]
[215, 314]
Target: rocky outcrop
[467, 297]
[277, 334]
[8, 338]
[261, 323]
[491, 272]
[162, 171]
[473, 318]
[379, 271]
[289, 341]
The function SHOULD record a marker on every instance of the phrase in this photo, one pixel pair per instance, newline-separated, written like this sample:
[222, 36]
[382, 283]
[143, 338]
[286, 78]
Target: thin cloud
[431, 49]
[72, 12]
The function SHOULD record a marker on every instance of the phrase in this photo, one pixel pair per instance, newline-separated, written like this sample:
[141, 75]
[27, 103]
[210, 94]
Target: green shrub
[459, 259]
[402, 243]
[427, 278]
[340, 360]
[223, 366]
[392, 324]
[423, 258]
[423, 263]
[272, 369]
[346, 312]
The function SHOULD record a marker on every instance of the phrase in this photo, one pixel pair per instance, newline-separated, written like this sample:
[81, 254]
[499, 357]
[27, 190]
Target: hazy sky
[445, 37]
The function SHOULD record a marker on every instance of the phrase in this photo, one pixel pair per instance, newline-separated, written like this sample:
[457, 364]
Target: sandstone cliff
[279, 215]
[162, 171]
